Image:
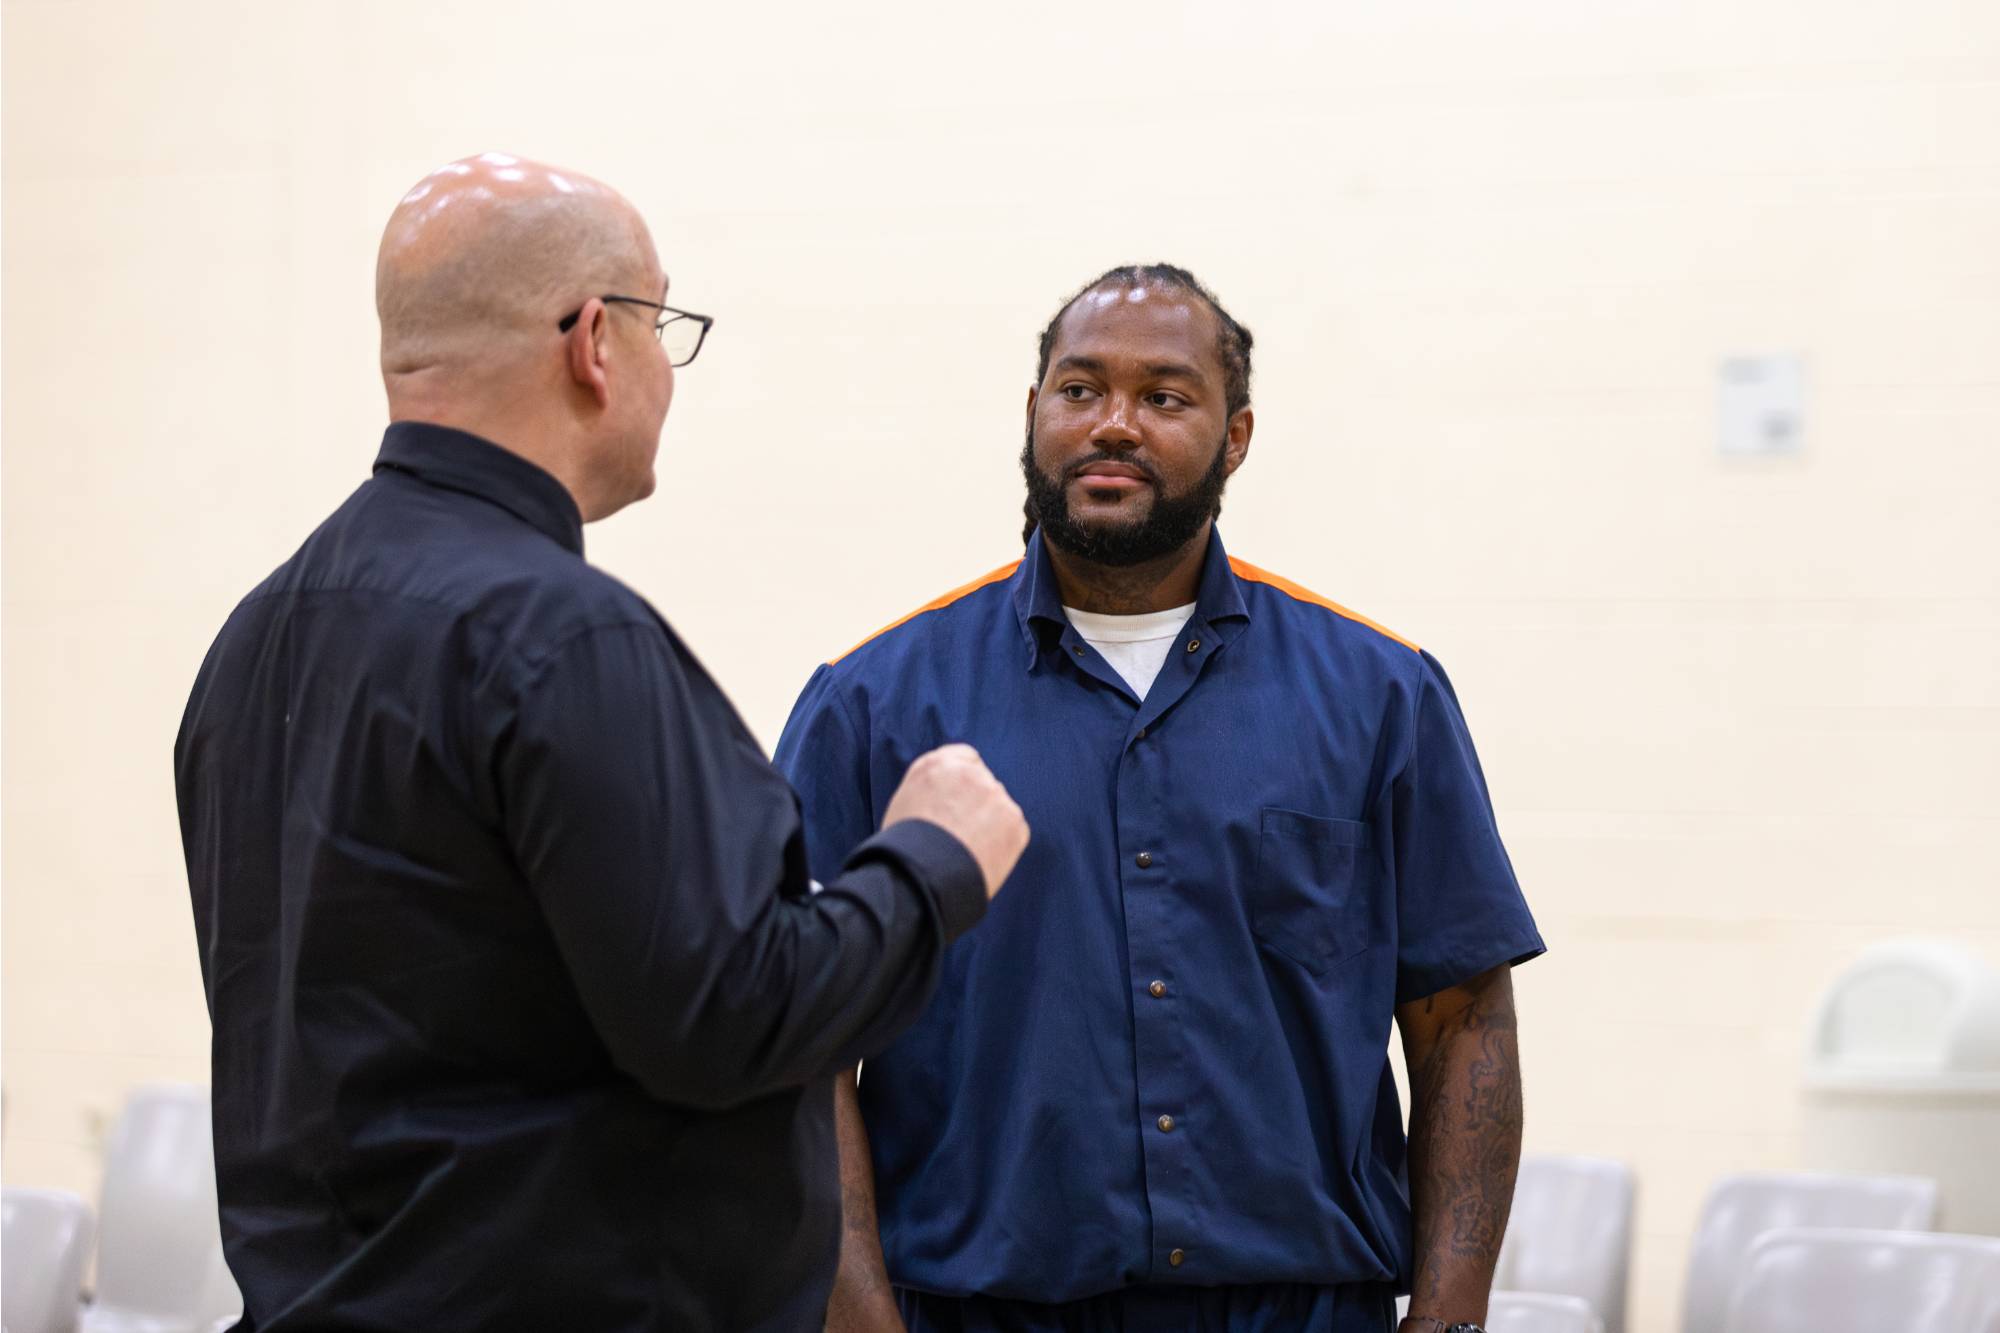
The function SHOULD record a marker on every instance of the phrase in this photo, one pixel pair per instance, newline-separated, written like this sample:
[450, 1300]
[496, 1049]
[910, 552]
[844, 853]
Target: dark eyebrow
[1084, 363]
[1155, 370]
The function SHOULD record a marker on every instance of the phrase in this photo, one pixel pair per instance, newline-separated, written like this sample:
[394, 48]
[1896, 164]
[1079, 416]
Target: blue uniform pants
[1274, 1308]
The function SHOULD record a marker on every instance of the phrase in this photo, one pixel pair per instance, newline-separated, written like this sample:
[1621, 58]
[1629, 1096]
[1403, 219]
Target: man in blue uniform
[1153, 1092]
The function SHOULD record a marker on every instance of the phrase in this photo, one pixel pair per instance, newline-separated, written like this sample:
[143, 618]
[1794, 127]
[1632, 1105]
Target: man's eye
[1161, 398]
[1076, 393]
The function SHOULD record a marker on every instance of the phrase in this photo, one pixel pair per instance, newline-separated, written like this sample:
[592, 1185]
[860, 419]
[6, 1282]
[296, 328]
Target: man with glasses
[524, 1006]
[1153, 1091]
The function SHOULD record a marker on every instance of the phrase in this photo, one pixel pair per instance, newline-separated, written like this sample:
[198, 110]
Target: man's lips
[1112, 476]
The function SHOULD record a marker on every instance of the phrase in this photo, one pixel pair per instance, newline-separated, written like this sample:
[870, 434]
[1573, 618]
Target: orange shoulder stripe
[1245, 570]
[938, 603]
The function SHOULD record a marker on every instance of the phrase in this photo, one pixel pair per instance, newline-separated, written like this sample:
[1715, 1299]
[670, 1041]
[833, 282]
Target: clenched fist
[952, 788]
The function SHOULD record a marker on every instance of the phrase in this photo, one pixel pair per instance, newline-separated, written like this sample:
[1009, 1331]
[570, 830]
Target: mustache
[1075, 470]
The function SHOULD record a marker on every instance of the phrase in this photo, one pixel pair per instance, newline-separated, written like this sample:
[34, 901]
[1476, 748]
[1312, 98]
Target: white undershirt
[1135, 646]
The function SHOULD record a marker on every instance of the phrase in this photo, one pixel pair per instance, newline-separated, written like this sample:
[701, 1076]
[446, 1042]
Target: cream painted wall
[1740, 718]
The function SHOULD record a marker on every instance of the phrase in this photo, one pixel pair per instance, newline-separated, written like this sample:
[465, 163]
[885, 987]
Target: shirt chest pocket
[1308, 898]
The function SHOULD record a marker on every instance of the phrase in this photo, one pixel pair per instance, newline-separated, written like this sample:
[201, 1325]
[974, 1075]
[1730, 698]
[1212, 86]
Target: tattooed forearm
[1465, 1140]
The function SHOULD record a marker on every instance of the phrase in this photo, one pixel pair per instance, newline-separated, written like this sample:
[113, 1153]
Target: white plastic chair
[1570, 1233]
[1743, 1207]
[45, 1240]
[1540, 1312]
[160, 1250]
[220, 1302]
[1840, 1280]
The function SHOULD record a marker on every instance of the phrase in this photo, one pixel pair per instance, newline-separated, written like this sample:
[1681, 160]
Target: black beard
[1170, 525]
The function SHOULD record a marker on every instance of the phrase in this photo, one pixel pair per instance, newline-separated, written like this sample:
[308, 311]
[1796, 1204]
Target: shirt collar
[458, 461]
[1038, 601]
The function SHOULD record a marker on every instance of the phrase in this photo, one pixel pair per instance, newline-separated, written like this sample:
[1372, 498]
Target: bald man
[525, 1009]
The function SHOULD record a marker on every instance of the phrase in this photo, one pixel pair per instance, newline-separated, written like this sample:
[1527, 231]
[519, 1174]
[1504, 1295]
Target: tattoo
[1465, 1144]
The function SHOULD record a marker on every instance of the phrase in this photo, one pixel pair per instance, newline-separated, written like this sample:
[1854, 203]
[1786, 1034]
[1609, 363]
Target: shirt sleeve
[1459, 909]
[823, 754]
[667, 856]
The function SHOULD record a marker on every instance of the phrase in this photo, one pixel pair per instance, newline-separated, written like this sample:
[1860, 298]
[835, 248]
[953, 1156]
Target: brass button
[1157, 989]
[1193, 644]
[1078, 650]
[1166, 1124]
[1142, 734]
[1144, 860]
[1176, 1256]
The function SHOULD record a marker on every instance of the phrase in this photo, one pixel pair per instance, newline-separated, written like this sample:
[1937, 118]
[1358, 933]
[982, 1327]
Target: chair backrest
[1570, 1233]
[1743, 1207]
[220, 1303]
[1841, 1280]
[45, 1240]
[161, 1238]
[1540, 1312]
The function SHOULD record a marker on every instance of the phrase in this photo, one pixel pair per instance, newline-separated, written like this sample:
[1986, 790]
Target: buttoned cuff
[939, 863]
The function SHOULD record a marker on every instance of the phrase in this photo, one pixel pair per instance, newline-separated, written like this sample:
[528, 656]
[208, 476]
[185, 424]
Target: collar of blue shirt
[1219, 608]
[460, 461]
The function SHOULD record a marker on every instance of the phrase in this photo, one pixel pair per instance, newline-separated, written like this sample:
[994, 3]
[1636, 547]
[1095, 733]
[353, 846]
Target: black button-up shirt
[523, 1003]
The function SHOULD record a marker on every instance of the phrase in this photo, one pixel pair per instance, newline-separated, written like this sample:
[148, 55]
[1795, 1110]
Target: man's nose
[1118, 427]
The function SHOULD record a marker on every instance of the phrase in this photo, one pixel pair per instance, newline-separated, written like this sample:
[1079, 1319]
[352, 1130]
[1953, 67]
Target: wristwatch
[1443, 1327]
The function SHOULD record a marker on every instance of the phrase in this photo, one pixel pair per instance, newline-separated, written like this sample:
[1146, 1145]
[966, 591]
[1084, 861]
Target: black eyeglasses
[681, 332]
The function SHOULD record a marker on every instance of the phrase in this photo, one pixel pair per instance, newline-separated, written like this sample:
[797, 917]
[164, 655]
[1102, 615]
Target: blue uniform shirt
[1163, 1058]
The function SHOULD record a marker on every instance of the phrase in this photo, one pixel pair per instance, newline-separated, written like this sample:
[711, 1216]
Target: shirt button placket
[1156, 1035]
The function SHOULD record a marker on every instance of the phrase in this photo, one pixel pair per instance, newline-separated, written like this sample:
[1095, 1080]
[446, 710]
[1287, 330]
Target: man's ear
[587, 353]
[1236, 444]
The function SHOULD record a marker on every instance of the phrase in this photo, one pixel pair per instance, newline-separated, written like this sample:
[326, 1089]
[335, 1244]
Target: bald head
[481, 263]
[485, 254]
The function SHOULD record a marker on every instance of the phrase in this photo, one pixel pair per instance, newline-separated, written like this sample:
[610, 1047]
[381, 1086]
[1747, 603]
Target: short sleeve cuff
[1470, 958]
[940, 864]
